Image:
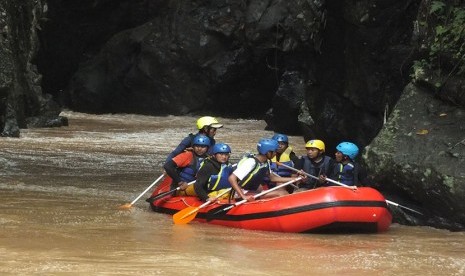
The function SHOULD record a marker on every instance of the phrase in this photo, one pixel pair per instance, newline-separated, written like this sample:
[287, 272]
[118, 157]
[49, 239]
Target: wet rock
[46, 121]
[420, 154]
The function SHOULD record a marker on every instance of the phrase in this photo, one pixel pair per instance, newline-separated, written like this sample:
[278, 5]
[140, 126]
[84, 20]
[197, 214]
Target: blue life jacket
[346, 173]
[256, 177]
[315, 170]
[220, 181]
[188, 173]
[284, 158]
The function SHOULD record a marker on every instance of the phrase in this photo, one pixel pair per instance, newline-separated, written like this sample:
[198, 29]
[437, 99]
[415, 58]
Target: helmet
[266, 145]
[221, 148]
[280, 138]
[349, 149]
[201, 140]
[316, 144]
[208, 121]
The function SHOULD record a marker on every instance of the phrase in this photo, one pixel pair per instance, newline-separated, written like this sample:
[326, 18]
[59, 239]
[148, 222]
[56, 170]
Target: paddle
[316, 178]
[347, 186]
[153, 198]
[225, 209]
[187, 214]
[129, 205]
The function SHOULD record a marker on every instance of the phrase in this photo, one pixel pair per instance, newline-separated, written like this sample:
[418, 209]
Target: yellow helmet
[208, 121]
[316, 144]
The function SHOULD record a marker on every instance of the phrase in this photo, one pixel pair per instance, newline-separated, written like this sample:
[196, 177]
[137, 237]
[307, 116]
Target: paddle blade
[125, 206]
[185, 215]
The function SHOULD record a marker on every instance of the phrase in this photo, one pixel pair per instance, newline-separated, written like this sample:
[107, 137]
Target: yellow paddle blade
[125, 206]
[185, 215]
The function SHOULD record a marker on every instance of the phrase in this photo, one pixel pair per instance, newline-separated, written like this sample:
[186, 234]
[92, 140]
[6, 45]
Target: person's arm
[299, 163]
[171, 170]
[200, 185]
[294, 158]
[242, 170]
[234, 181]
[171, 167]
[331, 172]
[185, 143]
[280, 179]
[333, 169]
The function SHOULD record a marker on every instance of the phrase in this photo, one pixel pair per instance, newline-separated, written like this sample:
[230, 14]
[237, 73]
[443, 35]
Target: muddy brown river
[61, 188]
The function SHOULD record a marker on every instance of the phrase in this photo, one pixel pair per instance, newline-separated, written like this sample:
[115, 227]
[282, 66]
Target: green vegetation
[443, 27]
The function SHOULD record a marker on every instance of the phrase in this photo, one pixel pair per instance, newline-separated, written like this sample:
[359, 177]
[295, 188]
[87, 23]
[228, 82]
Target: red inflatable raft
[322, 210]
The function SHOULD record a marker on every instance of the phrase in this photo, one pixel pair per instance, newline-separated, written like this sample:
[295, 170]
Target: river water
[61, 188]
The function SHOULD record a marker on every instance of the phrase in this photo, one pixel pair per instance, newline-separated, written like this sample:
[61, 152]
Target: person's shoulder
[247, 161]
[209, 166]
[293, 156]
[190, 137]
[210, 162]
[330, 159]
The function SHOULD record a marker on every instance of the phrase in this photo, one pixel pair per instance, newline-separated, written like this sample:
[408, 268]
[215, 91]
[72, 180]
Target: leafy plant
[444, 24]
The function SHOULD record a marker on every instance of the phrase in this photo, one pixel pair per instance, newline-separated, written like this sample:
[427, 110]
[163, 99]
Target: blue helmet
[280, 138]
[349, 149]
[221, 148]
[266, 145]
[201, 140]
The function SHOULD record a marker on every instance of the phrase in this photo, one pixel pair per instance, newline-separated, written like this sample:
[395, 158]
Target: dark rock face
[362, 69]
[74, 32]
[223, 56]
[21, 94]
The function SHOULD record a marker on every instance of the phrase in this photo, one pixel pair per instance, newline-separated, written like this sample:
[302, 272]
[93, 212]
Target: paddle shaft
[342, 184]
[206, 203]
[314, 177]
[169, 192]
[398, 205]
[215, 198]
[260, 194]
[148, 188]
[152, 199]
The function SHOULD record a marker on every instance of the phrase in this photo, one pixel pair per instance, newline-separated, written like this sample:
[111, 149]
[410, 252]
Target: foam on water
[61, 188]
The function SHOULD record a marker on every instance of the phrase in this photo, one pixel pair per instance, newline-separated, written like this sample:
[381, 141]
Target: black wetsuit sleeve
[294, 158]
[172, 170]
[334, 174]
[203, 175]
[299, 163]
[331, 168]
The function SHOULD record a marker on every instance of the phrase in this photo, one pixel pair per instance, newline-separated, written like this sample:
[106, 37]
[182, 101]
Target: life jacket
[188, 173]
[284, 158]
[220, 181]
[315, 169]
[255, 177]
[347, 174]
